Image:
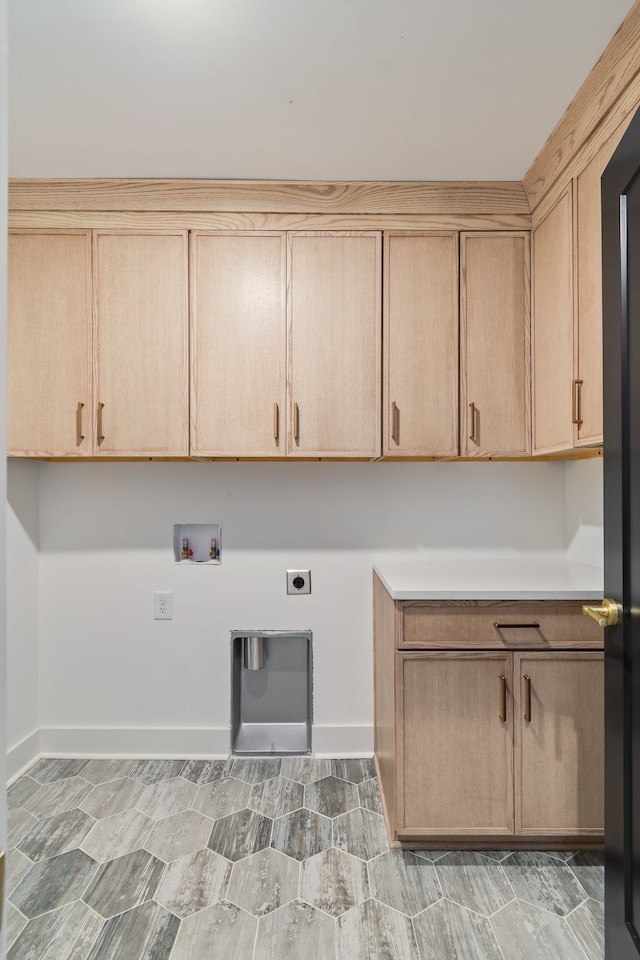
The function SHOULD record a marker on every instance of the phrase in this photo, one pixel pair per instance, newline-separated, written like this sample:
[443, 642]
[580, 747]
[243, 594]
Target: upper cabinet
[567, 310]
[494, 345]
[49, 399]
[420, 336]
[334, 283]
[238, 344]
[552, 353]
[109, 381]
[141, 344]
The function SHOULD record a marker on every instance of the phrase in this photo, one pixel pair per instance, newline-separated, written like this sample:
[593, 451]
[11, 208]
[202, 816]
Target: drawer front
[504, 625]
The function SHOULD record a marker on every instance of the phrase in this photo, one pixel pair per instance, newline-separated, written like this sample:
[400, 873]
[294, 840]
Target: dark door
[621, 295]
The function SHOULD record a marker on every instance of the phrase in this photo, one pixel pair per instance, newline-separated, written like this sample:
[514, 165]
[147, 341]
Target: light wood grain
[560, 752]
[141, 337]
[614, 73]
[461, 624]
[553, 324]
[49, 344]
[384, 640]
[238, 344]
[420, 337]
[588, 292]
[270, 196]
[237, 220]
[334, 335]
[456, 773]
[495, 344]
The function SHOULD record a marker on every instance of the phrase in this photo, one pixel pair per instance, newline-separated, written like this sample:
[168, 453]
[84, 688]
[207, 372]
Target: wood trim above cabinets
[245, 196]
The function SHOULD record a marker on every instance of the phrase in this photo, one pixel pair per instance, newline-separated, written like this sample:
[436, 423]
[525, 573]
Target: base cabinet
[498, 746]
[456, 734]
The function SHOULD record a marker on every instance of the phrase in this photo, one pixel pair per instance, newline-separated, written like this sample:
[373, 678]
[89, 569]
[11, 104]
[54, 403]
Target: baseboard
[173, 742]
[22, 755]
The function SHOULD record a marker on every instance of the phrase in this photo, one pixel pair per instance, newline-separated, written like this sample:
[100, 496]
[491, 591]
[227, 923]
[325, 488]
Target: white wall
[113, 679]
[22, 613]
[584, 511]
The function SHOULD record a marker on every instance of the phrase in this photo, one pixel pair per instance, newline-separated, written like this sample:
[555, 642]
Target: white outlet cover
[293, 584]
[162, 605]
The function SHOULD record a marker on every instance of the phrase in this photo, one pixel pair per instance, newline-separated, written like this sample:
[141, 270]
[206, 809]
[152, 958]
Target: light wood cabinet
[489, 722]
[141, 343]
[334, 308]
[559, 743]
[495, 344]
[49, 378]
[455, 733]
[238, 344]
[102, 378]
[552, 361]
[420, 337]
[567, 311]
[588, 290]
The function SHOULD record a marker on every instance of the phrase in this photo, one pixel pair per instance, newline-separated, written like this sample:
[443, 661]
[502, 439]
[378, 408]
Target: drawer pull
[516, 626]
[527, 697]
[503, 697]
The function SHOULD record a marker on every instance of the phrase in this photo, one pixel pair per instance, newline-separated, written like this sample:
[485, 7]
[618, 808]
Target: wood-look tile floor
[260, 859]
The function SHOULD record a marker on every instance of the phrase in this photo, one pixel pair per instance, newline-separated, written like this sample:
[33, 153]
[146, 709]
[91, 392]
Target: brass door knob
[606, 615]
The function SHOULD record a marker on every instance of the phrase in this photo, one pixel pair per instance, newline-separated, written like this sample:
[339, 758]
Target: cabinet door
[552, 341]
[49, 344]
[559, 743]
[141, 336]
[420, 338]
[588, 333]
[495, 344]
[238, 343]
[335, 326]
[455, 743]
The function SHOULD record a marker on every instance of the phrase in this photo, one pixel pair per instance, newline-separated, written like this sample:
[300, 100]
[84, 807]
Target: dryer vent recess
[298, 581]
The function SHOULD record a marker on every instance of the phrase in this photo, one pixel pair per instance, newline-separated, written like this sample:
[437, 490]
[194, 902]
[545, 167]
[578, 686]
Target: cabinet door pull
[100, 433]
[503, 698]
[527, 698]
[516, 626]
[577, 396]
[296, 422]
[473, 422]
[276, 422]
[79, 433]
[395, 422]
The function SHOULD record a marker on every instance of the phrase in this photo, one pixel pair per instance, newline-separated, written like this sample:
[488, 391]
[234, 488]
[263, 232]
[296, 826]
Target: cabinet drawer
[492, 624]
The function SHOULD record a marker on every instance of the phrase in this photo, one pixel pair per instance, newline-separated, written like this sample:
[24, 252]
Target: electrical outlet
[298, 581]
[162, 605]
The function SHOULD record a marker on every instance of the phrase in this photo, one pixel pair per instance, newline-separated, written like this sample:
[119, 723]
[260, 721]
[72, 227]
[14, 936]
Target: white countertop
[488, 579]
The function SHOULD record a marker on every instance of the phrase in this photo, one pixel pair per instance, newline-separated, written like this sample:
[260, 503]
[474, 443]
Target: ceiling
[295, 89]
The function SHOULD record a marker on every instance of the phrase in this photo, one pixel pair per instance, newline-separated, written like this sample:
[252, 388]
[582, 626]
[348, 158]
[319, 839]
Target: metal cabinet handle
[395, 422]
[79, 433]
[576, 402]
[516, 626]
[473, 418]
[527, 698]
[276, 422]
[296, 422]
[503, 698]
[100, 433]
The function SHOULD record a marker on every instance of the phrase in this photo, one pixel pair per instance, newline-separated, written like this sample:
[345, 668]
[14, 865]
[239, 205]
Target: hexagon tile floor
[257, 859]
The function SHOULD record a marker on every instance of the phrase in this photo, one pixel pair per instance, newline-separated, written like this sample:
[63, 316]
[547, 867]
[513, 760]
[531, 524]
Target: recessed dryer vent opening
[271, 692]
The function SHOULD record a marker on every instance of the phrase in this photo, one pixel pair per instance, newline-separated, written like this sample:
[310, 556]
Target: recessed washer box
[197, 543]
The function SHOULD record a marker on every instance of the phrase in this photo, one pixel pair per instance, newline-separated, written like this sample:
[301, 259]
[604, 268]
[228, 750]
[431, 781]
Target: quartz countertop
[489, 579]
